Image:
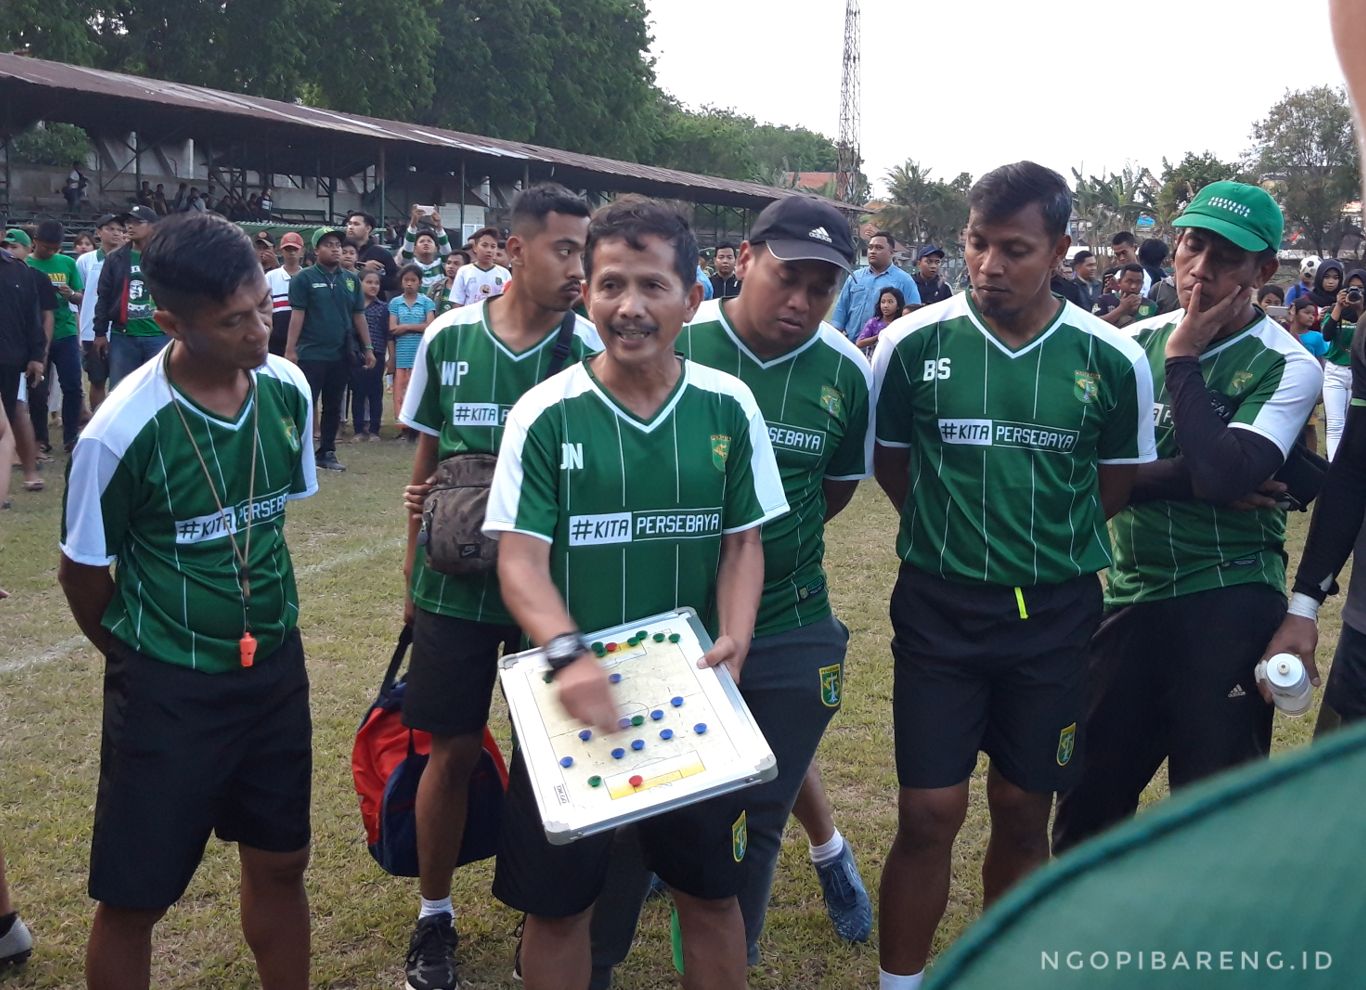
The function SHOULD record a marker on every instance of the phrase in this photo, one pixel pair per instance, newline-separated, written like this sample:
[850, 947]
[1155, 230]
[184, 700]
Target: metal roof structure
[292, 138]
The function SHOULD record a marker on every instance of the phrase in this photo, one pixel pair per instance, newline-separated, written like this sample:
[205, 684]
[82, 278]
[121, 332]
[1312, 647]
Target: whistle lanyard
[247, 644]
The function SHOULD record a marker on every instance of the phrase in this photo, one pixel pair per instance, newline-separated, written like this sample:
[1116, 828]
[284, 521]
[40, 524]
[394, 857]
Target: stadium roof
[291, 138]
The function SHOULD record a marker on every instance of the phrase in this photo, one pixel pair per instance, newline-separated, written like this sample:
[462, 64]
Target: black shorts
[185, 754]
[452, 671]
[1346, 690]
[95, 363]
[9, 389]
[279, 332]
[699, 850]
[973, 674]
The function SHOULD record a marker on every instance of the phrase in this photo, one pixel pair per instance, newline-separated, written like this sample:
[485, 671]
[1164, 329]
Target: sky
[971, 85]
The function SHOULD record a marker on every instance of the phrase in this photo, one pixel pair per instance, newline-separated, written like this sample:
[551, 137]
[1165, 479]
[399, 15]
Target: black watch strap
[562, 650]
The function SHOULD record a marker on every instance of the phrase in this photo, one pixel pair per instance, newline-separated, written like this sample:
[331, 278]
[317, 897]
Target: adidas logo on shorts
[1237, 692]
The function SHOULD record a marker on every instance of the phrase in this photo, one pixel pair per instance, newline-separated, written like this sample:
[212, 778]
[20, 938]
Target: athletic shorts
[185, 754]
[1346, 690]
[990, 668]
[699, 850]
[95, 363]
[452, 671]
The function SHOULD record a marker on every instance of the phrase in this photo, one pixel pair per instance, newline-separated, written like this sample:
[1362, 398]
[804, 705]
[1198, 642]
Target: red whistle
[247, 646]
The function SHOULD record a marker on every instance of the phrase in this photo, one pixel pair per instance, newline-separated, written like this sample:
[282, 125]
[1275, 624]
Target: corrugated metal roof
[34, 89]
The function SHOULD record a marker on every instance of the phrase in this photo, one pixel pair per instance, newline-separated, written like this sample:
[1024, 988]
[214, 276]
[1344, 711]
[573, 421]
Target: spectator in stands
[441, 292]
[426, 245]
[144, 196]
[482, 280]
[64, 349]
[890, 303]
[409, 316]
[1124, 246]
[367, 384]
[858, 299]
[1084, 275]
[159, 200]
[195, 201]
[1126, 304]
[327, 309]
[932, 288]
[23, 354]
[124, 326]
[1152, 253]
[292, 250]
[267, 203]
[359, 226]
[181, 196]
[74, 189]
[109, 229]
[725, 284]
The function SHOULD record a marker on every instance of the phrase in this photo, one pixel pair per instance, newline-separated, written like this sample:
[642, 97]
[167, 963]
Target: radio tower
[848, 158]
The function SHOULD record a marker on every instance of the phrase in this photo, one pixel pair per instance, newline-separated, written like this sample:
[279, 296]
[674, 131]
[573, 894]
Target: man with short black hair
[858, 299]
[1003, 389]
[370, 256]
[472, 365]
[292, 250]
[484, 278]
[725, 284]
[64, 351]
[181, 479]
[327, 311]
[1084, 275]
[1124, 246]
[123, 324]
[23, 351]
[932, 288]
[1126, 304]
[1151, 255]
[111, 236]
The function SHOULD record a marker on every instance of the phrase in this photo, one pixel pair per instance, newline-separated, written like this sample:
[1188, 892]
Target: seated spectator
[890, 304]
[159, 201]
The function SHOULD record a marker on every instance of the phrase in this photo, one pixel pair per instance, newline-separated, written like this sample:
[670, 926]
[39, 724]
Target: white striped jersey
[1262, 380]
[635, 511]
[278, 281]
[136, 495]
[465, 381]
[815, 401]
[1004, 444]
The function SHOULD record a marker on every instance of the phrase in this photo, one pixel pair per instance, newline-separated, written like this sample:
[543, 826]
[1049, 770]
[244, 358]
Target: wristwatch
[562, 650]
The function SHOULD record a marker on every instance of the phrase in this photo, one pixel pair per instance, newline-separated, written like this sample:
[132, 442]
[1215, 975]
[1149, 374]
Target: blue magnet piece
[623, 723]
[618, 753]
[614, 678]
[585, 734]
[700, 728]
[566, 761]
[656, 714]
[666, 733]
[637, 744]
[676, 701]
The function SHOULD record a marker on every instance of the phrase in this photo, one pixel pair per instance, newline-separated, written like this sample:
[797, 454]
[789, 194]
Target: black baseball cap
[105, 219]
[928, 250]
[143, 214]
[800, 228]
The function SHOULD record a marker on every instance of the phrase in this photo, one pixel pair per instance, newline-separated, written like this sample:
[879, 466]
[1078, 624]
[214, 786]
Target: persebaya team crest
[832, 685]
[350, 284]
[832, 401]
[1239, 382]
[739, 837]
[1067, 744]
[291, 433]
[1086, 386]
[720, 450]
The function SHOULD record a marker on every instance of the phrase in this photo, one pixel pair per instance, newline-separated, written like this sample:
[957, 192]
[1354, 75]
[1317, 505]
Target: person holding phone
[1339, 327]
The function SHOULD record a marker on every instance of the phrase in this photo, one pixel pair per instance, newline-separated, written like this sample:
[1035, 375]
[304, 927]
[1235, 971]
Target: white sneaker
[15, 945]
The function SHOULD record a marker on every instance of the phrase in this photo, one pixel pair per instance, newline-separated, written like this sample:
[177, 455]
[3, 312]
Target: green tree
[777, 147]
[50, 144]
[711, 141]
[377, 60]
[53, 29]
[1180, 182]
[921, 209]
[1305, 149]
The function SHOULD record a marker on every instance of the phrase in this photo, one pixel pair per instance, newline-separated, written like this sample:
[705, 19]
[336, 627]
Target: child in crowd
[409, 316]
[367, 385]
[441, 291]
[349, 257]
[889, 306]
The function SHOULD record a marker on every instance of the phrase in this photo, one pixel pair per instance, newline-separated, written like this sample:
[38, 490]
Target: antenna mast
[848, 157]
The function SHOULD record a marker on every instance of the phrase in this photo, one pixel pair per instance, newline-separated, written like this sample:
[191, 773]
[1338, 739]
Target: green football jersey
[136, 495]
[141, 306]
[60, 270]
[1262, 380]
[634, 511]
[815, 400]
[465, 381]
[1004, 444]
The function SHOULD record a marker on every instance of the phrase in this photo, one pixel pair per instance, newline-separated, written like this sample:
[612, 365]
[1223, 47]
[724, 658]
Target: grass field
[347, 547]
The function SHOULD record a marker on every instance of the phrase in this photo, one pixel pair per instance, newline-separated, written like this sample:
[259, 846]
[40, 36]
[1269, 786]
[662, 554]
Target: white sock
[828, 850]
[430, 908]
[891, 981]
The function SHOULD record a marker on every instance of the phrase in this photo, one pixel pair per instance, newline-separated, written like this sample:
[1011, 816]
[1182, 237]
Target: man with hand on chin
[637, 429]
[1233, 390]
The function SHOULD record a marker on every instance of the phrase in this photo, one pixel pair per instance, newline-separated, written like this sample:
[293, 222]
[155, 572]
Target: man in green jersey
[64, 352]
[812, 386]
[472, 365]
[125, 329]
[1009, 425]
[664, 446]
[1198, 585]
[182, 477]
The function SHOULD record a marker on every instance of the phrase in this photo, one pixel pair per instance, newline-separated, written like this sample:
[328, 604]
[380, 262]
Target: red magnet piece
[636, 780]
[611, 647]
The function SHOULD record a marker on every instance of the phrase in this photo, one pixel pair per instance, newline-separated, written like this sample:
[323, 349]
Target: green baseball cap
[1246, 215]
[322, 232]
[16, 236]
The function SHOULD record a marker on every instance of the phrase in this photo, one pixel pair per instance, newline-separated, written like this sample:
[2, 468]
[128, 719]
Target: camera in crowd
[1354, 296]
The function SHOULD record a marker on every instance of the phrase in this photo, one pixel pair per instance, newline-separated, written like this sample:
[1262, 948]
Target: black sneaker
[431, 954]
[327, 460]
